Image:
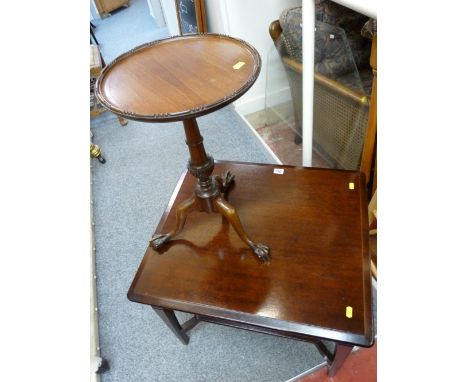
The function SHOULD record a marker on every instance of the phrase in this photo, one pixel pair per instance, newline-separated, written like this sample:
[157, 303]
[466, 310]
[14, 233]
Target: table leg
[229, 212]
[341, 353]
[122, 121]
[181, 216]
[210, 194]
[169, 318]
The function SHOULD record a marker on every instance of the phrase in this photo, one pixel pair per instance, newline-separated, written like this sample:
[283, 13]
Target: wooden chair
[96, 64]
[369, 151]
[372, 214]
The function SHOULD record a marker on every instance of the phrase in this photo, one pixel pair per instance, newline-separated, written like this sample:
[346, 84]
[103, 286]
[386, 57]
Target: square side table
[318, 283]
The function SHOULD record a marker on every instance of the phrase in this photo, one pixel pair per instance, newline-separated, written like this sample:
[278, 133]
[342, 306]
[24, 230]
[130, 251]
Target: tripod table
[180, 79]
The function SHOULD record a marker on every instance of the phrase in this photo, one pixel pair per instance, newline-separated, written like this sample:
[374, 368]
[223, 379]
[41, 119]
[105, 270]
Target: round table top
[178, 77]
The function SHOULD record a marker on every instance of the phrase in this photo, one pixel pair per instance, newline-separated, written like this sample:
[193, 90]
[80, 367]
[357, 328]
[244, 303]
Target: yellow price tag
[351, 185]
[239, 65]
[349, 311]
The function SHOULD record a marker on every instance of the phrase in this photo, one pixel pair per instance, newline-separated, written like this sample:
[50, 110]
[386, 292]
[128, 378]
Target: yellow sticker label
[351, 185]
[349, 311]
[239, 65]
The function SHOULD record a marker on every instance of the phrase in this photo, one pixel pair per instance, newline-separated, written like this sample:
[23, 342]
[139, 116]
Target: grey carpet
[130, 191]
[125, 29]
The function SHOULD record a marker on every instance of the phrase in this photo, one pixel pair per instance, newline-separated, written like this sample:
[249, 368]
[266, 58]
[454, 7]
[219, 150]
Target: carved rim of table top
[191, 113]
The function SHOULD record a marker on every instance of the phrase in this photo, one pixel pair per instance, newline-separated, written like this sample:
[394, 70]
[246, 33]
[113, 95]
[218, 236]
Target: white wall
[94, 14]
[248, 20]
[156, 12]
[216, 16]
[170, 16]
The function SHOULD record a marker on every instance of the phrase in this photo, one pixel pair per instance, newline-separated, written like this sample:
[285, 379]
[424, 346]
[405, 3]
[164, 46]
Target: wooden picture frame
[191, 16]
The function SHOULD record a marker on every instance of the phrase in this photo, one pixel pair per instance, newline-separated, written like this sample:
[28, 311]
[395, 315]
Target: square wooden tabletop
[318, 283]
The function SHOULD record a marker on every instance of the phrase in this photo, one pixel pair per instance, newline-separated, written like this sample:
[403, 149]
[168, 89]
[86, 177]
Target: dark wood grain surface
[178, 77]
[316, 227]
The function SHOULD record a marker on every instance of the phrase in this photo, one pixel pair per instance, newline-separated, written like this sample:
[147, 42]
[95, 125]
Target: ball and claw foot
[158, 240]
[262, 251]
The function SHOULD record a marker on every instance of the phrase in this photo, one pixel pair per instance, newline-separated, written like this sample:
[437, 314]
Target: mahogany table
[317, 285]
[179, 79]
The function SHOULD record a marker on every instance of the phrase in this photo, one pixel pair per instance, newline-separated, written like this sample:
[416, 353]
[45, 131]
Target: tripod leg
[262, 251]
[122, 121]
[181, 216]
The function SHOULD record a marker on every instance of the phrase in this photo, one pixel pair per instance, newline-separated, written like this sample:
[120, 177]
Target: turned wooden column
[194, 142]
[200, 166]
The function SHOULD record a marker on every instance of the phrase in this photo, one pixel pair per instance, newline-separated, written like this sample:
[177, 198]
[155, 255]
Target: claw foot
[262, 251]
[158, 240]
[227, 181]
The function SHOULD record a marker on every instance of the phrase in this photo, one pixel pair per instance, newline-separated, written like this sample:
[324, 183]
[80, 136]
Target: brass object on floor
[95, 152]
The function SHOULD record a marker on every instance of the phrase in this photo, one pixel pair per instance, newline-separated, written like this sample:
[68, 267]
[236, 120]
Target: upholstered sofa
[342, 78]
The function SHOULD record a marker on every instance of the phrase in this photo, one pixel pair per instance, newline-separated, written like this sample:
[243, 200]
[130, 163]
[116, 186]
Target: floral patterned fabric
[291, 24]
[341, 52]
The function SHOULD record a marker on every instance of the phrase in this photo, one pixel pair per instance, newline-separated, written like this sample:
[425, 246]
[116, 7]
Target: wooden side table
[105, 7]
[318, 284]
[180, 79]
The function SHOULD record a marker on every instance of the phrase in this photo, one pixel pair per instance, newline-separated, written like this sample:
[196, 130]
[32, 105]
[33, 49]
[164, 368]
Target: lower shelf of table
[334, 358]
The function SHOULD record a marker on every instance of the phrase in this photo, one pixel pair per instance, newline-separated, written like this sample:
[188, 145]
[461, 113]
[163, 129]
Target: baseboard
[278, 97]
[251, 105]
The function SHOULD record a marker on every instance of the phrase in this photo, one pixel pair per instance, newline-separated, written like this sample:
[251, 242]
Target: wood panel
[369, 150]
[104, 7]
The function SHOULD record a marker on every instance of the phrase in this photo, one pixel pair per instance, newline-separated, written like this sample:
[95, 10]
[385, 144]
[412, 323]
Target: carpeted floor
[125, 29]
[131, 190]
